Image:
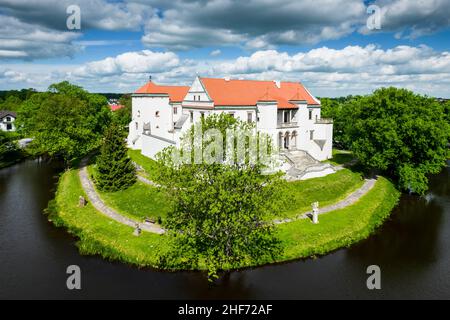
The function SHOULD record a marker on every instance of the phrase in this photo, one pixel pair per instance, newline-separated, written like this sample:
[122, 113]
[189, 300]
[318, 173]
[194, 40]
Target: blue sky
[325, 44]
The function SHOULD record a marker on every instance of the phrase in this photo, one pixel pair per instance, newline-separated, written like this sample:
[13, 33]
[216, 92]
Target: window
[8, 119]
[202, 114]
[249, 117]
[231, 114]
[285, 116]
[175, 110]
[310, 114]
[139, 113]
[195, 97]
[157, 114]
[311, 135]
[137, 126]
[191, 114]
[8, 126]
[198, 98]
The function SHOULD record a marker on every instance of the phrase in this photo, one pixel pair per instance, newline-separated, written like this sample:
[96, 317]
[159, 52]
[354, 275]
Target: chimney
[278, 83]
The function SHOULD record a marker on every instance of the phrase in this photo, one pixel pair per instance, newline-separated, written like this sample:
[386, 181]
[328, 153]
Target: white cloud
[145, 61]
[325, 71]
[215, 53]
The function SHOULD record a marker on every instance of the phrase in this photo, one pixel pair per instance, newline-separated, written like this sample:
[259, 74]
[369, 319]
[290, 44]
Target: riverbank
[99, 235]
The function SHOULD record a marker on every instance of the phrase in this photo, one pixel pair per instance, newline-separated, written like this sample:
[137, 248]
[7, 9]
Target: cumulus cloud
[412, 19]
[22, 40]
[145, 61]
[255, 23]
[327, 72]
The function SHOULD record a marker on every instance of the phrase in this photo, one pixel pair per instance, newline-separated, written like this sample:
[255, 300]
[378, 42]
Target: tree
[8, 148]
[400, 133]
[221, 213]
[66, 122]
[115, 170]
[123, 116]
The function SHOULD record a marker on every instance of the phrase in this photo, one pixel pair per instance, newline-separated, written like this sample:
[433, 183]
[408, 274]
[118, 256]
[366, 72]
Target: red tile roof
[176, 93]
[115, 107]
[249, 92]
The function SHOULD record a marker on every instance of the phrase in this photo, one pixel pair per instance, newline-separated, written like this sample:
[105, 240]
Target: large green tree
[399, 133]
[115, 170]
[220, 214]
[66, 122]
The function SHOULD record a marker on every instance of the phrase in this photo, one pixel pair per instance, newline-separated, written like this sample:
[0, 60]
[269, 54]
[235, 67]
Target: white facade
[7, 121]
[159, 122]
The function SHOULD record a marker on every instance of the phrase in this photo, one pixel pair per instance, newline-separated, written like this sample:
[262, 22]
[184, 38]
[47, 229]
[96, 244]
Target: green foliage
[66, 122]
[219, 213]
[115, 170]
[10, 152]
[400, 133]
[123, 116]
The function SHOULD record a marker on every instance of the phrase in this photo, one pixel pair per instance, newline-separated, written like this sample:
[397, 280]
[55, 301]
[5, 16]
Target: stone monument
[315, 212]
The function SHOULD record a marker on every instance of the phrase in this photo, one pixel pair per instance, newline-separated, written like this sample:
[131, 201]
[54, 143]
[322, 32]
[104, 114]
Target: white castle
[286, 111]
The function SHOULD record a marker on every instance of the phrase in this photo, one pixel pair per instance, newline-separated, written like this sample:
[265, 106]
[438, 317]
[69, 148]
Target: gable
[197, 92]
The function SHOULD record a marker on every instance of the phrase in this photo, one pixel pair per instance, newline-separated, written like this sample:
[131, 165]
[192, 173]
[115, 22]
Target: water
[412, 249]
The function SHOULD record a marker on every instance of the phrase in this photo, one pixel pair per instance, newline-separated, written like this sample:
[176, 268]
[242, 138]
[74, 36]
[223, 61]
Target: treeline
[394, 132]
[66, 122]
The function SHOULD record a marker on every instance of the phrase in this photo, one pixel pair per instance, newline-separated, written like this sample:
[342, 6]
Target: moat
[412, 250]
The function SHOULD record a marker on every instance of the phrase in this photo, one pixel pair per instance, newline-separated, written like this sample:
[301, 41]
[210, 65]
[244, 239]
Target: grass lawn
[327, 190]
[340, 157]
[340, 228]
[138, 201]
[99, 235]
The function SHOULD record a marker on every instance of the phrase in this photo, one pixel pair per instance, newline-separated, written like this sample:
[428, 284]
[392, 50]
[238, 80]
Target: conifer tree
[115, 170]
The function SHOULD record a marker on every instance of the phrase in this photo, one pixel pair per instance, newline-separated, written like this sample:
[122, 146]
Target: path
[98, 203]
[351, 199]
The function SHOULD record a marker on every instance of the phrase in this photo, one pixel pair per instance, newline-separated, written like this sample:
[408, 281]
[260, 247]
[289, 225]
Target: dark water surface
[412, 249]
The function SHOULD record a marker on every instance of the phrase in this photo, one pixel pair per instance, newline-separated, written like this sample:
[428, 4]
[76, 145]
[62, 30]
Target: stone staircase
[304, 166]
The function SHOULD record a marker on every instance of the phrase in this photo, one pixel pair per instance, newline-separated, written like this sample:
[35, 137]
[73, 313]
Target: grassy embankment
[102, 236]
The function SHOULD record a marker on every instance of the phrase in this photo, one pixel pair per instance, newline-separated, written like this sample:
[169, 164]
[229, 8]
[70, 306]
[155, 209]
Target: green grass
[99, 235]
[340, 228]
[137, 202]
[327, 190]
[150, 166]
[340, 157]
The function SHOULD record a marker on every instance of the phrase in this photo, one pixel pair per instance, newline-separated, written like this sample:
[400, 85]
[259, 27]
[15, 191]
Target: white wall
[152, 145]
[155, 110]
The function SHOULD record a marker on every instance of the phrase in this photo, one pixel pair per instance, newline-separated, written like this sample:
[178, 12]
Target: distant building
[7, 119]
[115, 107]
